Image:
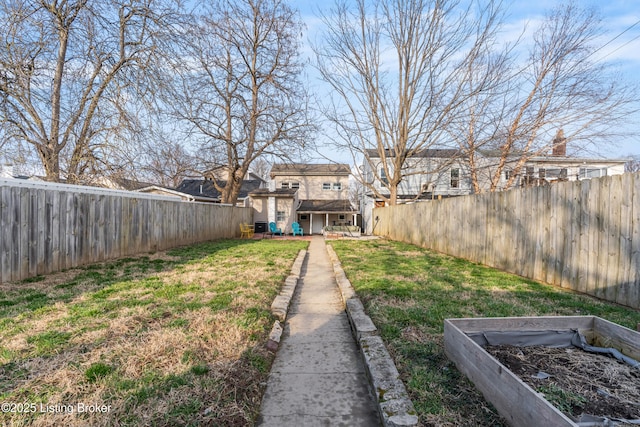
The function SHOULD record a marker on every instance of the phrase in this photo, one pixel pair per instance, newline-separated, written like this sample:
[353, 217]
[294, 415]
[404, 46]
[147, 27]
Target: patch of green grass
[185, 411]
[9, 374]
[82, 311]
[561, 399]
[408, 291]
[97, 371]
[220, 302]
[257, 361]
[254, 315]
[200, 370]
[33, 279]
[178, 323]
[49, 342]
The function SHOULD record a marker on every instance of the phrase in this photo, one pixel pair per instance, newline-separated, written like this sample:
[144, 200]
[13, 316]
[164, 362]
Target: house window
[341, 217]
[295, 185]
[337, 186]
[552, 173]
[455, 178]
[529, 175]
[304, 217]
[586, 173]
[383, 176]
[563, 174]
[280, 216]
[542, 173]
[326, 186]
[508, 174]
[284, 185]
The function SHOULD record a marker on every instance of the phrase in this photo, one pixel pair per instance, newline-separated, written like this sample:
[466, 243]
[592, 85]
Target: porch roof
[326, 206]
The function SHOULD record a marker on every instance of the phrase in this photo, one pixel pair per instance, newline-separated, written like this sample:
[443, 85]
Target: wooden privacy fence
[582, 235]
[51, 227]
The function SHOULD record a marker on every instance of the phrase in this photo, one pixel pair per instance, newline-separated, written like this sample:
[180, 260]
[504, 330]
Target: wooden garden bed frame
[518, 403]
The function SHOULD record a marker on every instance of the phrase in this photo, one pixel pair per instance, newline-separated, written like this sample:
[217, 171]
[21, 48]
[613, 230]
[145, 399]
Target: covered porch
[314, 215]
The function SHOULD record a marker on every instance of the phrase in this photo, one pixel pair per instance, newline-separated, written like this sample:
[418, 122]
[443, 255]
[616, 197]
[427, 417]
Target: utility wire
[613, 39]
[620, 47]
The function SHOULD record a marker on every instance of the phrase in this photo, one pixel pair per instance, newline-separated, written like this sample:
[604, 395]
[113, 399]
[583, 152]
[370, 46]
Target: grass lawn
[409, 291]
[170, 339]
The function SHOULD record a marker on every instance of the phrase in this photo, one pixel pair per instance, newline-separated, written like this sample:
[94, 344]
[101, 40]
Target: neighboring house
[112, 183]
[439, 173]
[544, 170]
[203, 190]
[429, 174]
[314, 195]
[117, 183]
[164, 191]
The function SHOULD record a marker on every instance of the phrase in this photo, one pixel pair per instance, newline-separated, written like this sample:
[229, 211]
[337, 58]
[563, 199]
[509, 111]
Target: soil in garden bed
[580, 382]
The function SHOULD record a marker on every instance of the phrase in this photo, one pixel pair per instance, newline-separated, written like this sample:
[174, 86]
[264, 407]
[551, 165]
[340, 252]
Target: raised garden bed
[515, 400]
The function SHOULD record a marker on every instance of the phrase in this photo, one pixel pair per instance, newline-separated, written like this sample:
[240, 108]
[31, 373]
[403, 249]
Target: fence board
[603, 241]
[594, 239]
[613, 227]
[581, 235]
[537, 230]
[624, 267]
[634, 274]
[551, 234]
[6, 230]
[572, 267]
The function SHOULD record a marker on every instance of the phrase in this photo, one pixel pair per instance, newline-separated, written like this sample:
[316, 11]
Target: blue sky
[623, 52]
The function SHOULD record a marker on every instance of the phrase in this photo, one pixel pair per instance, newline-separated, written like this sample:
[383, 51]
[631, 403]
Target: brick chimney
[559, 145]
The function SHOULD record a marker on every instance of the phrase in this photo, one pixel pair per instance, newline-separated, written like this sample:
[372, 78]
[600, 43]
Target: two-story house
[428, 174]
[314, 195]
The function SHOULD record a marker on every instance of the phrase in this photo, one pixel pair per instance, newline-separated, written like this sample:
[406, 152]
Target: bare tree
[559, 94]
[261, 167]
[400, 72]
[168, 163]
[633, 165]
[68, 72]
[238, 89]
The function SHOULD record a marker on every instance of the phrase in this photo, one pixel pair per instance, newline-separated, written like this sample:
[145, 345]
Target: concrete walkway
[318, 378]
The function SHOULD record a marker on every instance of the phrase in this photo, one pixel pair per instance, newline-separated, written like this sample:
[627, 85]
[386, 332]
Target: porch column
[326, 221]
[271, 209]
[355, 218]
[310, 224]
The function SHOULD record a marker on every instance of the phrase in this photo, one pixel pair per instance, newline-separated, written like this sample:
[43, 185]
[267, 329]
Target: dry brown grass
[171, 339]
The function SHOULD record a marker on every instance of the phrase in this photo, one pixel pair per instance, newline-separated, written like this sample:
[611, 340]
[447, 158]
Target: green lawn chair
[297, 229]
[273, 228]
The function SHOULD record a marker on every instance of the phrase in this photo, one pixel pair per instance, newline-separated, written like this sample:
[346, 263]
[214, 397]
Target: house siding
[312, 183]
[311, 186]
[260, 213]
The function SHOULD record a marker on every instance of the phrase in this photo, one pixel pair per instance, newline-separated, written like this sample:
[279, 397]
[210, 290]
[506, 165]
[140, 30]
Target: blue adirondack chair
[273, 228]
[297, 229]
